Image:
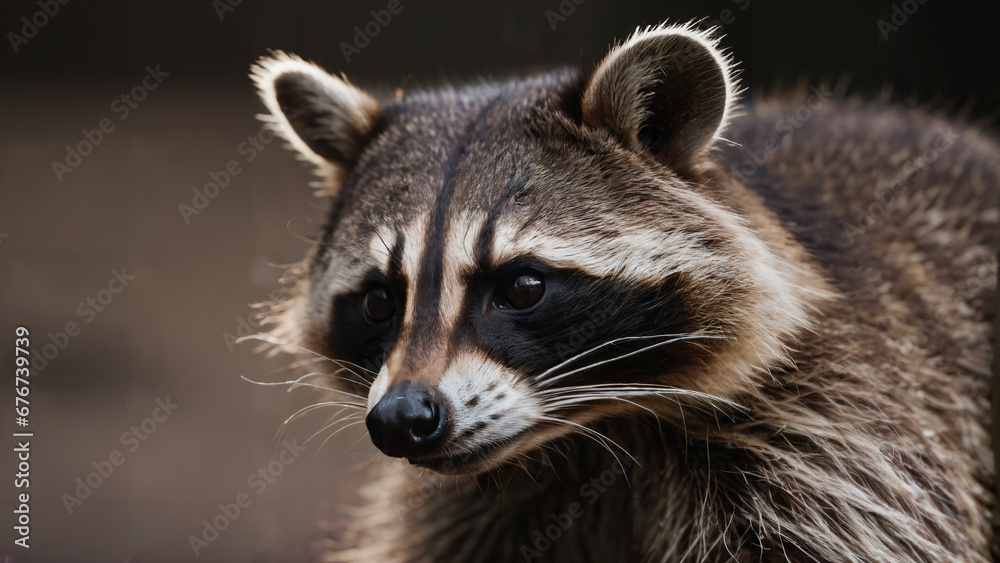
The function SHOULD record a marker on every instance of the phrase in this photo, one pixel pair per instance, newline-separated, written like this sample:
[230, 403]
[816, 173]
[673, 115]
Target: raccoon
[616, 314]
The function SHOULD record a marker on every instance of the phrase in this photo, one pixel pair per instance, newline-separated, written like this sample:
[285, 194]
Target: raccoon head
[511, 262]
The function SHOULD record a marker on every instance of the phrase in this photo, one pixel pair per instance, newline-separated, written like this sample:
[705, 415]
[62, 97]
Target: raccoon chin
[519, 451]
[482, 459]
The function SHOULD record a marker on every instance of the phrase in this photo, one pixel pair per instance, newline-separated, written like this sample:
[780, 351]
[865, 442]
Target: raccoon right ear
[325, 118]
[667, 91]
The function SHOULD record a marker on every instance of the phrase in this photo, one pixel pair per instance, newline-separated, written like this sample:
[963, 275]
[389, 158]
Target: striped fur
[731, 361]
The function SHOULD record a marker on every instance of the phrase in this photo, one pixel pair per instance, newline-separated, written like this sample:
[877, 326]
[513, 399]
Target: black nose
[409, 421]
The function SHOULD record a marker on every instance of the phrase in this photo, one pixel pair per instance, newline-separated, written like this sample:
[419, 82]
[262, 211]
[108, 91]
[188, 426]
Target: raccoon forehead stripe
[423, 327]
[429, 287]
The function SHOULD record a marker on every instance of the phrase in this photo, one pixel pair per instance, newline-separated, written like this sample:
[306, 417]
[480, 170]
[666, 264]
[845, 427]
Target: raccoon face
[513, 262]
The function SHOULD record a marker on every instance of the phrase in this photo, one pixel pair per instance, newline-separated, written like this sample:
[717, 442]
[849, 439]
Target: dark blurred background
[71, 226]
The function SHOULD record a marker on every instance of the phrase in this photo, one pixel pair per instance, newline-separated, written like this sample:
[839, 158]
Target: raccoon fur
[611, 314]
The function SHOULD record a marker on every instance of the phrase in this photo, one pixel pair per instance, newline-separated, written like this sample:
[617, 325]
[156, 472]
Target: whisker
[335, 432]
[596, 436]
[283, 427]
[351, 416]
[684, 423]
[569, 396]
[279, 434]
[623, 356]
[635, 390]
[340, 363]
[299, 383]
[584, 399]
[303, 382]
[272, 340]
[296, 364]
[363, 436]
[602, 345]
[335, 376]
[315, 406]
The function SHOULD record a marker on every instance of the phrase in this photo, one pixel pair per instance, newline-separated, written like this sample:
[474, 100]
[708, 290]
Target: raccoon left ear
[666, 90]
[325, 118]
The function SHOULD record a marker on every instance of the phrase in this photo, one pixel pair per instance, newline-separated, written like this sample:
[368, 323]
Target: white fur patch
[504, 404]
[414, 233]
[641, 252]
[458, 257]
[379, 387]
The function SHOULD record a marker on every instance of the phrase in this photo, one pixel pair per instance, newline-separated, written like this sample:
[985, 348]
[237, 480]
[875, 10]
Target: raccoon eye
[379, 305]
[520, 292]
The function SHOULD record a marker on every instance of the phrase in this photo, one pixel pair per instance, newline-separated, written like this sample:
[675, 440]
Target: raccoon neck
[795, 478]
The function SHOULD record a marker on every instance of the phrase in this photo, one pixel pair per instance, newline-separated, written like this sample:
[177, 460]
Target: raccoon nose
[409, 421]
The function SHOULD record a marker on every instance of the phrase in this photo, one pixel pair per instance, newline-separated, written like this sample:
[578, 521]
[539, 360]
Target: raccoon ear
[666, 90]
[325, 118]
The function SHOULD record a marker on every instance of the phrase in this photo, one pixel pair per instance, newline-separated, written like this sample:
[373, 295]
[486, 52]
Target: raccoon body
[605, 317]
